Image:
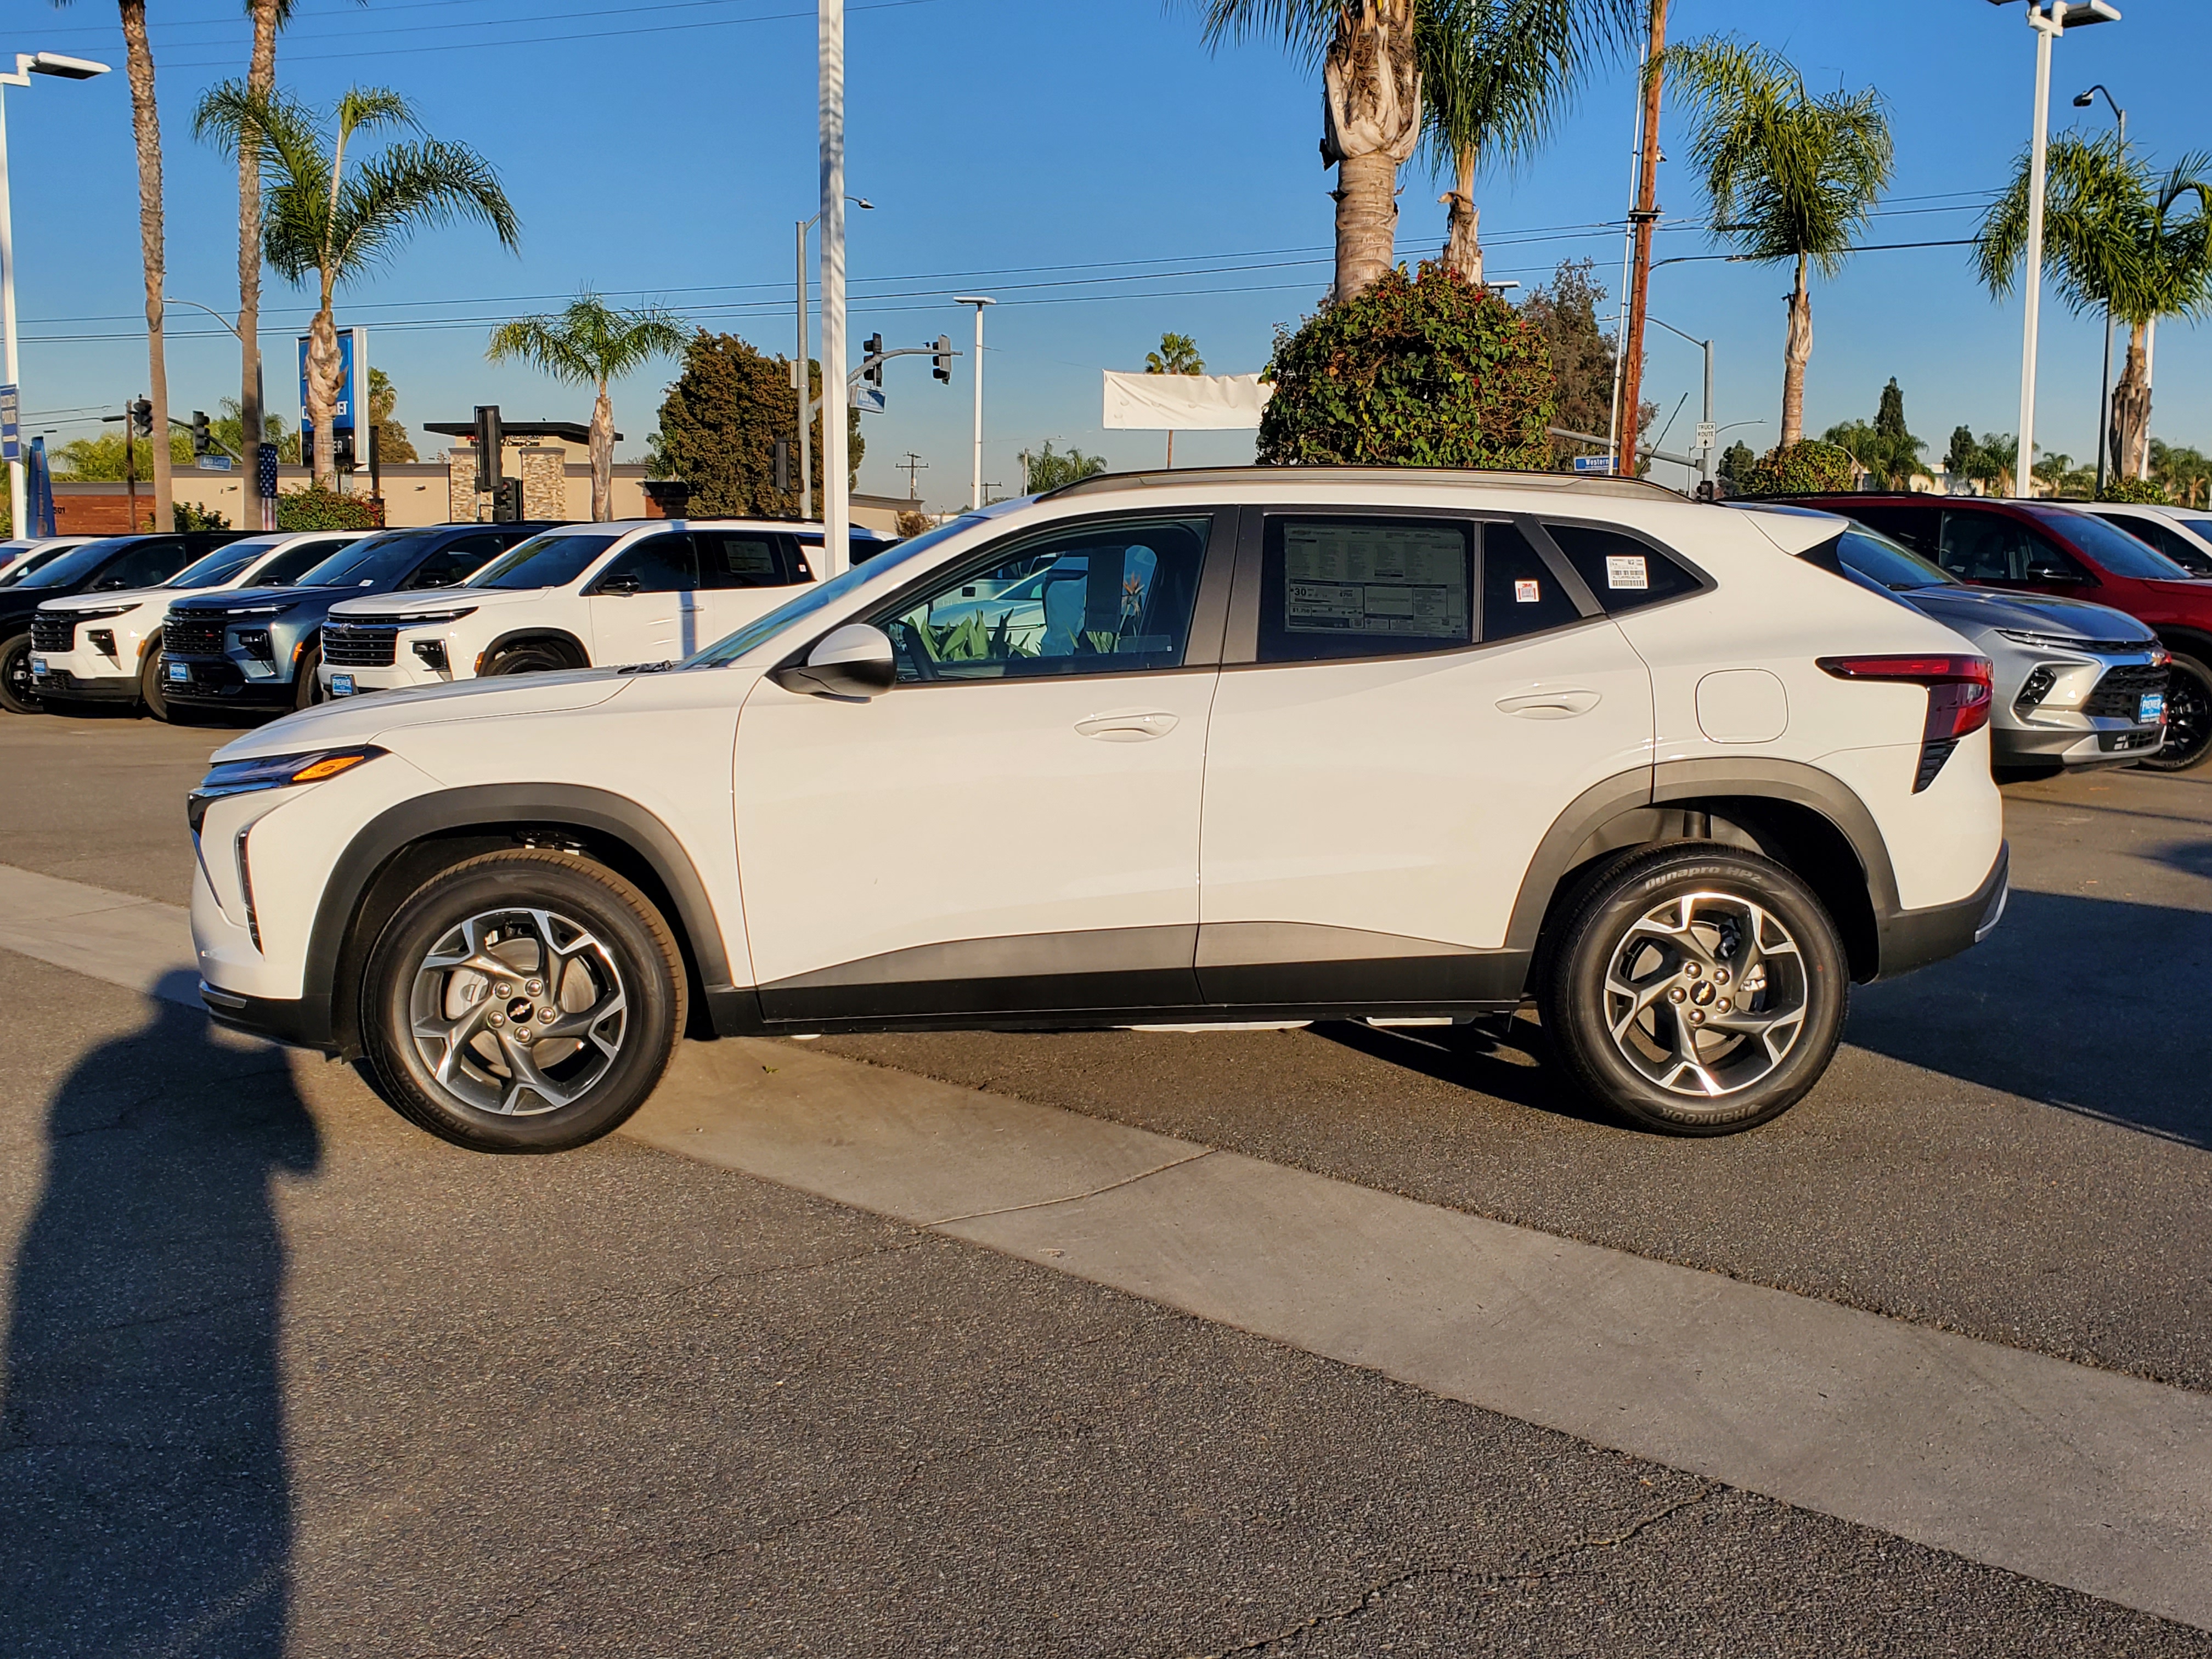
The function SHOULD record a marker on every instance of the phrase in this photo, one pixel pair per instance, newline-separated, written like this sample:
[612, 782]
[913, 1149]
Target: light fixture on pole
[2049, 18]
[975, 488]
[2087, 101]
[799, 378]
[28, 64]
[836, 477]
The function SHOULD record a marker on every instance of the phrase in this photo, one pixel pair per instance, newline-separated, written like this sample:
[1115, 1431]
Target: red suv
[2040, 547]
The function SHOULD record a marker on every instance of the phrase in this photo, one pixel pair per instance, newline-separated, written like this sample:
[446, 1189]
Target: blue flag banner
[40, 508]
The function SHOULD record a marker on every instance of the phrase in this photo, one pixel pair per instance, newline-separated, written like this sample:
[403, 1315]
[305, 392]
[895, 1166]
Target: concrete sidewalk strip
[2087, 1479]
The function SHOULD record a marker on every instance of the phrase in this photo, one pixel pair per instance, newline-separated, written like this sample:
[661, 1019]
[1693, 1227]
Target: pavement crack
[1076, 1198]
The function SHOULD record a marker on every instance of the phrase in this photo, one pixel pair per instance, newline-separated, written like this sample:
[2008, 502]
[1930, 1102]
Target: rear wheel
[2188, 718]
[150, 685]
[529, 657]
[1698, 990]
[18, 696]
[524, 1001]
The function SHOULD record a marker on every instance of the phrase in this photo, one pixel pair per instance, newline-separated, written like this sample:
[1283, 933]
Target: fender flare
[560, 636]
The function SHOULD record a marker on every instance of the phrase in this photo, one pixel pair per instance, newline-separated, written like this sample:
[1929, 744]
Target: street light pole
[801, 382]
[2086, 100]
[1705, 456]
[836, 480]
[976, 485]
[28, 64]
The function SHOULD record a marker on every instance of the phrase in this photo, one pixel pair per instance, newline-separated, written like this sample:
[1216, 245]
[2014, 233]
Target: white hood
[117, 601]
[349, 721]
[397, 607]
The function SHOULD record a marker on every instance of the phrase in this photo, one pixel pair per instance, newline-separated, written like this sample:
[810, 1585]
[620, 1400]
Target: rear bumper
[1913, 938]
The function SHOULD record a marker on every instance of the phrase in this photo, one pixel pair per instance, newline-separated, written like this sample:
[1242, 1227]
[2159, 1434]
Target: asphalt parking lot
[285, 1376]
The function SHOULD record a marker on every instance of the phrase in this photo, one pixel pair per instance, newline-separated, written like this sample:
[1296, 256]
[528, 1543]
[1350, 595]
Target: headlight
[2045, 641]
[248, 777]
[95, 616]
[263, 610]
[432, 618]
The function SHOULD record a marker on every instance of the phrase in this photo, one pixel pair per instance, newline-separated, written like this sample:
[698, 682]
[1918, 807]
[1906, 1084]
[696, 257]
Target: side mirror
[852, 661]
[2051, 573]
[620, 587]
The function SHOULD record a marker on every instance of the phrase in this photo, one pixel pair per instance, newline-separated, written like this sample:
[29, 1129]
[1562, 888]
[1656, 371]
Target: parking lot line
[2089, 1479]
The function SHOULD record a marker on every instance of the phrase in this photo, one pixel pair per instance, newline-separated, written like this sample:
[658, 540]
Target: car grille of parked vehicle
[53, 633]
[192, 639]
[349, 646]
[2119, 694]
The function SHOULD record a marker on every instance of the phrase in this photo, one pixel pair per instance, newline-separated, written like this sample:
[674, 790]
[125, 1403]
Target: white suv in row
[636, 590]
[1275, 744]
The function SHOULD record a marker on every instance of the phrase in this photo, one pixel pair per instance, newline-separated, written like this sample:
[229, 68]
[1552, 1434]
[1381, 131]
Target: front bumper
[1914, 938]
[291, 1022]
[59, 684]
[218, 681]
[396, 677]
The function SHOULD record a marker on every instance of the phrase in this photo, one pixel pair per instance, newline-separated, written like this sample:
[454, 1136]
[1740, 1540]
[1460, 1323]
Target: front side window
[1991, 547]
[146, 564]
[454, 563]
[1335, 587]
[1097, 599]
[658, 564]
[368, 561]
[219, 567]
[1625, 572]
[294, 562]
[553, 560]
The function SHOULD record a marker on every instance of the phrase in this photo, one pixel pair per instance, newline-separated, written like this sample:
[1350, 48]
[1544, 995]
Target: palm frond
[1496, 75]
[590, 342]
[410, 186]
[1306, 26]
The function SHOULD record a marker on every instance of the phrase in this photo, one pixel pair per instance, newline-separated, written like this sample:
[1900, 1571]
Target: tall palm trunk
[146, 126]
[603, 455]
[1462, 236]
[323, 374]
[260, 81]
[2131, 405]
[1795, 354]
[1371, 88]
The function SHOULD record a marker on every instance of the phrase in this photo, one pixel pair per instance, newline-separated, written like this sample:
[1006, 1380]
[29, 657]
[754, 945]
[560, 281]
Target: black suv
[258, 648]
[117, 563]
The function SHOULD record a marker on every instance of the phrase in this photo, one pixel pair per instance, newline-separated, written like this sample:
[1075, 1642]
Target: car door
[1013, 829]
[742, 575]
[1408, 702]
[641, 606]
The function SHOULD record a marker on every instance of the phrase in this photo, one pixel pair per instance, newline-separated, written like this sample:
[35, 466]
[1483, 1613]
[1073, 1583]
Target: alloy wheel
[1705, 995]
[2188, 718]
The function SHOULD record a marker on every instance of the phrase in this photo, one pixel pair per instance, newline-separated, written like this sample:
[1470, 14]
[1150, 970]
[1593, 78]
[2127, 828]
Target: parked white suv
[106, 648]
[637, 591]
[1297, 743]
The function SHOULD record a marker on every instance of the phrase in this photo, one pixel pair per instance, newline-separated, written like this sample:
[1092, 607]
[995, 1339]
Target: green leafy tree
[1565, 311]
[101, 459]
[1047, 470]
[2186, 474]
[1886, 449]
[186, 516]
[317, 508]
[1959, 458]
[1419, 370]
[1791, 177]
[719, 427]
[2116, 236]
[321, 224]
[393, 443]
[1889, 418]
[1808, 467]
[1736, 463]
[590, 344]
[1371, 109]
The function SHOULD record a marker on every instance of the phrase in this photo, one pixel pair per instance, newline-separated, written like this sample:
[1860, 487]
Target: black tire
[1717, 890]
[632, 956]
[529, 657]
[2188, 718]
[16, 695]
[308, 687]
[149, 684]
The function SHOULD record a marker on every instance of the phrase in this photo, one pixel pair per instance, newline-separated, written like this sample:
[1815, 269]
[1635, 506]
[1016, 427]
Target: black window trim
[625, 547]
[1697, 573]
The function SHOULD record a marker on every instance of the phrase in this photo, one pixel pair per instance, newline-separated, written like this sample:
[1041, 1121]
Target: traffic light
[940, 365]
[202, 440]
[141, 419]
[871, 360]
[506, 502]
[489, 438]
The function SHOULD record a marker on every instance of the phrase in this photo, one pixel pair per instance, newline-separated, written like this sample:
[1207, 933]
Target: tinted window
[1991, 547]
[1919, 528]
[1102, 598]
[1365, 587]
[1895, 566]
[454, 563]
[18, 573]
[2118, 551]
[550, 560]
[1519, 594]
[220, 566]
[294, 562]
[370, 560]
[1623, 572]
[658, 564]
[738, 558]
[67, 568]
[150, 561]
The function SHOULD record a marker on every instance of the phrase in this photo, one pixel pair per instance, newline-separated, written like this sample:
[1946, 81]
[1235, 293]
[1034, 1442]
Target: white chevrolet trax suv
[1261, 744]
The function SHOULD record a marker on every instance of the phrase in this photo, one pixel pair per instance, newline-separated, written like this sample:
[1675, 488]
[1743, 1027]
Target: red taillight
[1958, 698]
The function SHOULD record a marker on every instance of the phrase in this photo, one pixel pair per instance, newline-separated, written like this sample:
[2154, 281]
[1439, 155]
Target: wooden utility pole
[1642, 219]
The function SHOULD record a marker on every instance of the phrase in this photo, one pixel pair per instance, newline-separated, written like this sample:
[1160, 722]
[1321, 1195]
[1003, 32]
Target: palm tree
[1371, 109]
[1178, 355]
[1792, 176]
[318, 222]
[2113, 234]
[146, 128]
[589, 344]
[1495, 75]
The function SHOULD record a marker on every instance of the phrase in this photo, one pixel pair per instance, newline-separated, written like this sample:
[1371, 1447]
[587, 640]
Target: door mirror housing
[620, 587]
[854, 661]
[2051, 572]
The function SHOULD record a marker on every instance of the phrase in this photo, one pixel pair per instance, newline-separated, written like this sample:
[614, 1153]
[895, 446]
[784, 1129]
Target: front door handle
[1550, 703]
[1128, 725]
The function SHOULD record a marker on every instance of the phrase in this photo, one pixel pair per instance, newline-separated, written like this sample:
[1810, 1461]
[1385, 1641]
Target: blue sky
[1092, 165]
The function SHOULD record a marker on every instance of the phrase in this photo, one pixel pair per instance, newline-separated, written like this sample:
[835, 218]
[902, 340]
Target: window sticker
[1527, 593]
[1369, 579]
[1627, 570]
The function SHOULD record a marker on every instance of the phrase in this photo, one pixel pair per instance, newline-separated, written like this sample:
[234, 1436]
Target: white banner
[1184, 403]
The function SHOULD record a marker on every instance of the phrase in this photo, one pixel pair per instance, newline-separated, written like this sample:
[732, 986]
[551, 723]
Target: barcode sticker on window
[1527, 593]
[1627, 570]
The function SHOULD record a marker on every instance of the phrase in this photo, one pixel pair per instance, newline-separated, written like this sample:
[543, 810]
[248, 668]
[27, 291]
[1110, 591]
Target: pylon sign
[351, 413]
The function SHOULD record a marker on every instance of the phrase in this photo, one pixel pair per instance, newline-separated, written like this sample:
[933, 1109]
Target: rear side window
[1917, 527]
[1624, 572]
[2167, 540]
[144, 565]
[732, 558]
[1519, 594]
[1332, 588]
[455, 562]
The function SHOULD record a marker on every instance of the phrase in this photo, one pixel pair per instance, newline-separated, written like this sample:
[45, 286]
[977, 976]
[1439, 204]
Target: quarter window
[1519, 594]
[1097, 599]
[1332, 588]
[1623, 572]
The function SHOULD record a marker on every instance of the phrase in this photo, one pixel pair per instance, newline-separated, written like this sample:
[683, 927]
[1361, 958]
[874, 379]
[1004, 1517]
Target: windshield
[756, 633]
[36, 559]
[1895, 566]
[548, 560]
[226, 562]
[78, 561]
[369, 560]
[2118, 552]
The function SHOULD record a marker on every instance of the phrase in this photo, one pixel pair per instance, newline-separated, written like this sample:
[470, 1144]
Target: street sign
[1594, 463]
[868, 399]
[213, 462]
[11, 436]
[1708, 434]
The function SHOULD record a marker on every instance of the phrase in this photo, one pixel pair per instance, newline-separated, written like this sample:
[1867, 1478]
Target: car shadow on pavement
[1518, 1070]
[2091, 1006]
[144, 1486]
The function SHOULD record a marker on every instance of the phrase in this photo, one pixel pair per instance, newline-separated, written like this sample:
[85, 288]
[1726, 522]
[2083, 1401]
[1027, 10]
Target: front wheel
[523, 1001]
[18, 693]
[529, 657]
[308, 686]
[150, 692]
[1698, 990]
[2188, 718]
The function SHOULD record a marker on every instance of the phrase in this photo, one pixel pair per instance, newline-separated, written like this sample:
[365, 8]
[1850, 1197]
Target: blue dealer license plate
[342, 685]
[2153, 708]
[182, 673]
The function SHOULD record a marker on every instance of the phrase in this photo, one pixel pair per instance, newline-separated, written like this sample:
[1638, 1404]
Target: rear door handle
[1128, 725]
[1550, 703]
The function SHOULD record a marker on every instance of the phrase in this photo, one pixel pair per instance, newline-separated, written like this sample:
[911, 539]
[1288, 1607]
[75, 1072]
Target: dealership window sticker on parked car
[1372, 579]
